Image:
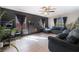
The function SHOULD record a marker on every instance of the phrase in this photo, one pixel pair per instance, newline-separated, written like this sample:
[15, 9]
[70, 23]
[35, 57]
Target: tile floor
[31, 43]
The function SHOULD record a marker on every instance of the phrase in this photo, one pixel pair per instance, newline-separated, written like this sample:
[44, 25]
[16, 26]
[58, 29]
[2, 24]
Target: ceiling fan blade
[51, 11]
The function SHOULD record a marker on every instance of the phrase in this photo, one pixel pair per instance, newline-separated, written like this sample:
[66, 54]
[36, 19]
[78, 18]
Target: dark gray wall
[35, 19]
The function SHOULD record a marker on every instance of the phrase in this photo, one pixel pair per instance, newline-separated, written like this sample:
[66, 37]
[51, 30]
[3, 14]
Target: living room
[31, 28]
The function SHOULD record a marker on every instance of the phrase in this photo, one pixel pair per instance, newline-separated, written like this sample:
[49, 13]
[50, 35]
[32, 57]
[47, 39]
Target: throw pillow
[64, 34]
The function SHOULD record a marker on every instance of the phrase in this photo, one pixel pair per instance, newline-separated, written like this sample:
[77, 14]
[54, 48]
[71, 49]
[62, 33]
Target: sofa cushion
[58, 28]
[73, 36]
[72, 40]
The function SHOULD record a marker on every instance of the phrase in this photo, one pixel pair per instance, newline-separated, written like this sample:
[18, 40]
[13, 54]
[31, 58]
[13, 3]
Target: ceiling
[36, 9]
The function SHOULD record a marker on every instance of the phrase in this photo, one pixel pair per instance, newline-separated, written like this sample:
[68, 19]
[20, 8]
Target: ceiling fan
[47, 9]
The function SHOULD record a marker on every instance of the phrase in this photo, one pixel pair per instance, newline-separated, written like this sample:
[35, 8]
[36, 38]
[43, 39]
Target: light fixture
[45, 13]
[47, 9]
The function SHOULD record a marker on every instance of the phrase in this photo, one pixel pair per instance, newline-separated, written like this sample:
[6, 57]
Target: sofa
[65, 42]
[57, 30]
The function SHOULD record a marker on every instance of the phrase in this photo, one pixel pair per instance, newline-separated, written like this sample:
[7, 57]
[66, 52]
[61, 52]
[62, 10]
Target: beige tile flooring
[31, 43]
